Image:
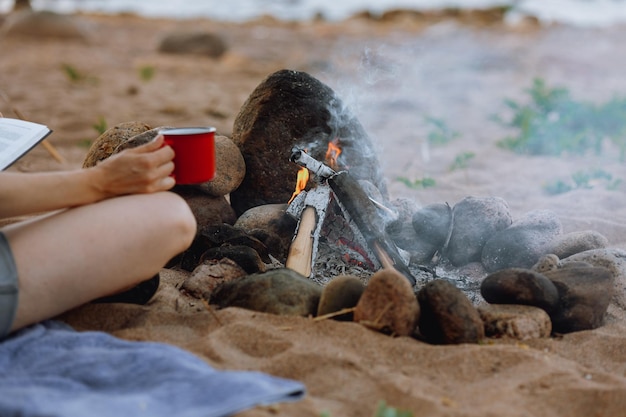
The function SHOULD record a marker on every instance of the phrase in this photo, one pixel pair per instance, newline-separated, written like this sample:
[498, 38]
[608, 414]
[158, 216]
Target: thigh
[8, 287]
[73, 256]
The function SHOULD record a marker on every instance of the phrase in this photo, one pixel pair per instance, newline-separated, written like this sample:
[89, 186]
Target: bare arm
[144, 169]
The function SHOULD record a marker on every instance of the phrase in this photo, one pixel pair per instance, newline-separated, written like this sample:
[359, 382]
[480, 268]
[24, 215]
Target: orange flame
[301, 181]
[332, 153]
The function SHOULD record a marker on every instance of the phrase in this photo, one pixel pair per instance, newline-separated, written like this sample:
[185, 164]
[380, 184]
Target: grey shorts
[8, 286]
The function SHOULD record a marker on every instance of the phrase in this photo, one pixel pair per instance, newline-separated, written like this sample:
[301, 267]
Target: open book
[18, 137]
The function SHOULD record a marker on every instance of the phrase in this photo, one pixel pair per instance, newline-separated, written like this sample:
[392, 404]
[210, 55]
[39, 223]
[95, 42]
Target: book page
[18, 137]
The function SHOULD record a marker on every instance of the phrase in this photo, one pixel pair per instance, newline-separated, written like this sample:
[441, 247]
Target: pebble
[547, 263]
[474, 221]
[106, 144]
[447, 315]
[209, 275]
[520, 286]
[388, 304]
[245, 256]
[614, 259]
[44, 24]
[575, 242]
[230, 168]
[278, 291]
[271, 224]
[431, 226]
[208, 210]
[195, 43]
[519, 322]
[584, 296]
[523, 243]
[340, 293]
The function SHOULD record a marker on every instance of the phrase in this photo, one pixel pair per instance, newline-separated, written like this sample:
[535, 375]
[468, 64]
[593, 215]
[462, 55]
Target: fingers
[167, 183]
[153, 145]
[156, 150]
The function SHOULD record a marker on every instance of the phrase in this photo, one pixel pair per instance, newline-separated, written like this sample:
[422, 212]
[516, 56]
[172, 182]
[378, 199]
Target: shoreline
[576, 14]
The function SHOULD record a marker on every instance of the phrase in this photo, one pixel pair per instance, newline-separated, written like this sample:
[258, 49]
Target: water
[574, 12]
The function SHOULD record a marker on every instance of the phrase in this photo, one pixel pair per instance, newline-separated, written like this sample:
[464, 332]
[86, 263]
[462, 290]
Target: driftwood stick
[45, 142]
[366, 217]
[300, 254]
[383, 257]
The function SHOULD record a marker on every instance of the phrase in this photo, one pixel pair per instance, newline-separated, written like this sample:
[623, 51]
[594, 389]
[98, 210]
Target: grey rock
[523, 243]
[400, 230]
[245, 256]
[615, 261]
[447, 316]
[230, 168]
[279, 291]
[426, 232]
[474, 222]
[584, 296]
[208, 210]
[45, 24]
[520, 286]
[209, 275]
[270, 224]
[196, 43]
[576, 242]
[340, 293]
[547, 262]
[109, 142]
[388, 304]
[515, 321]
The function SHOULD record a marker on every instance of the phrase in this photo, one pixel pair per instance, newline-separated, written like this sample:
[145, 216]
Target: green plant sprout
[584, 180]
[382, 410]
[461, 161]
[84, 143]
[552, 123]
[441, 133]
[425, 182]
[74, 75]
[101, 125]
[146, 73]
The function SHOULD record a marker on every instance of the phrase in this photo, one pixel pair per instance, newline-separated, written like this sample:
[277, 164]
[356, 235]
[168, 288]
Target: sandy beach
[398, 74]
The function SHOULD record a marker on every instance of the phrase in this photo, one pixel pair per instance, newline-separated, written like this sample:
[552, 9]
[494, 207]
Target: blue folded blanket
[52, 370]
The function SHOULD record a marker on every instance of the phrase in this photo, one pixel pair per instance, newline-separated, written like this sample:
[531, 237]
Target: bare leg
[74, 256]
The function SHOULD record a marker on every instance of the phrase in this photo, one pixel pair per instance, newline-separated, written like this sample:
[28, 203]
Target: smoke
[429, 101]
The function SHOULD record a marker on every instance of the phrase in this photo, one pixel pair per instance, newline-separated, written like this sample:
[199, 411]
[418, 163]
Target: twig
[208, 307]
[335, 313]
[382, 313]
[51, 149]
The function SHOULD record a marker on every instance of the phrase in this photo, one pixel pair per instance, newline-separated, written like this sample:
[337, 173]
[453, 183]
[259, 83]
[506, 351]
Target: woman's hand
[144, 169]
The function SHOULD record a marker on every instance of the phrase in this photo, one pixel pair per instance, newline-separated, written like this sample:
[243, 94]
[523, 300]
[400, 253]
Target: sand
[394, 74]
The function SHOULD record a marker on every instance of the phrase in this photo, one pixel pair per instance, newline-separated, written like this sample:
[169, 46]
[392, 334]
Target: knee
[181, 221]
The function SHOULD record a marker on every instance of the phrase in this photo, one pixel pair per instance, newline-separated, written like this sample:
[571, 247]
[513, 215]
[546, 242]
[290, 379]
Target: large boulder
[293, 109]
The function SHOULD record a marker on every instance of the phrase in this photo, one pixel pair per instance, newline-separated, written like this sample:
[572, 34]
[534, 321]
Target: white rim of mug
[191, 130]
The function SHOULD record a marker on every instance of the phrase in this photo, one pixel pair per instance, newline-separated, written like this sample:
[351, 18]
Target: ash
[335, 260]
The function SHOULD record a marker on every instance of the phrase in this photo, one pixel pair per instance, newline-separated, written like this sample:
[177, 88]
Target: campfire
[337, 212]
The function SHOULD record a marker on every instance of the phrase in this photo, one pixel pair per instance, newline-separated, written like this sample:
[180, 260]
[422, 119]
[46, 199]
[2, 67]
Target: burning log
[363, 212]
[310, 208]
[300, 258]
[357, 208]
[321, 171]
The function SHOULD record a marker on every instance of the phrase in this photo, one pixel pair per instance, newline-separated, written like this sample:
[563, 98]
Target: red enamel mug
[194, 148]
